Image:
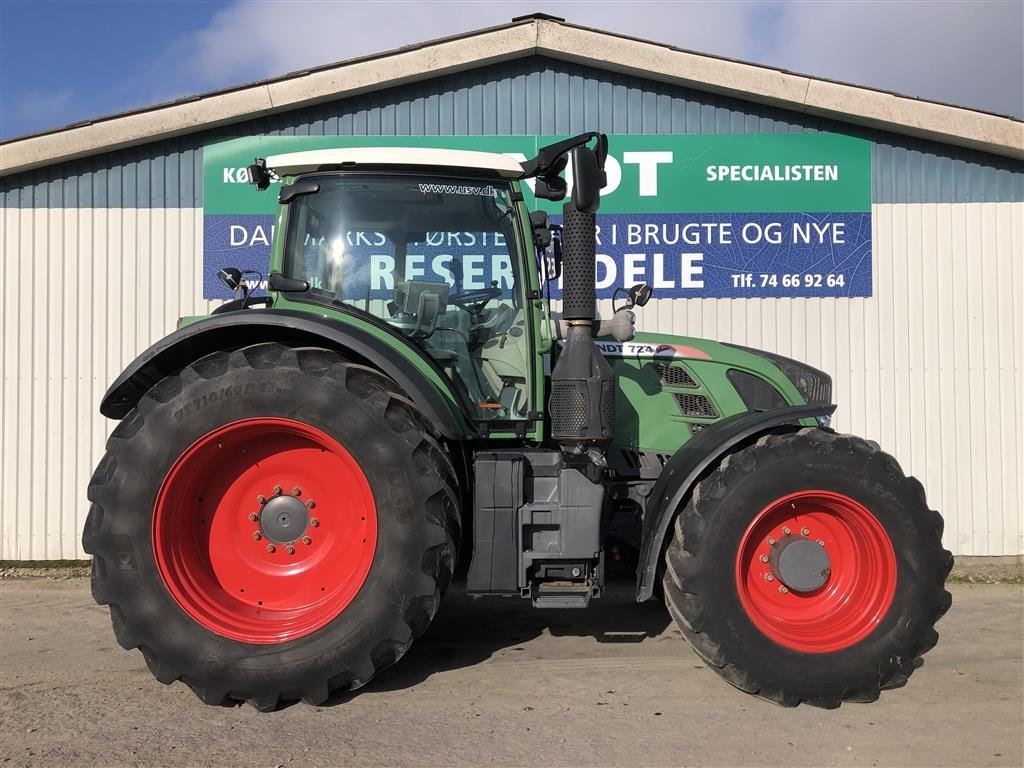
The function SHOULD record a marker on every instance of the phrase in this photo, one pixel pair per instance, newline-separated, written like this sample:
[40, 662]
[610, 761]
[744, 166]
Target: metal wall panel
[930, 366]
[535, 95]
[84, 291]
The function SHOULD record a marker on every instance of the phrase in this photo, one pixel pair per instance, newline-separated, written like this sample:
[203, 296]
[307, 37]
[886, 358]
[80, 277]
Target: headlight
[814, 385]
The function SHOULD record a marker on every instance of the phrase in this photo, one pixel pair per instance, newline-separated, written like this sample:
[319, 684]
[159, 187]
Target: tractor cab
[437, 245]
[437, 256]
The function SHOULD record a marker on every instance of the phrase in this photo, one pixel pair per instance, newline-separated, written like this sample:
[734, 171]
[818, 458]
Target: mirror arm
[549, 155]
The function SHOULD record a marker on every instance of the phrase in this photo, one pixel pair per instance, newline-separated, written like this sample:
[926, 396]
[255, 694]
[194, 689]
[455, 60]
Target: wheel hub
[799, 563]
[284, 519]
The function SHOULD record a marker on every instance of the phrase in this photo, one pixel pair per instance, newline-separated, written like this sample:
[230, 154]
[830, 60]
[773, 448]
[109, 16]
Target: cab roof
[295, 163]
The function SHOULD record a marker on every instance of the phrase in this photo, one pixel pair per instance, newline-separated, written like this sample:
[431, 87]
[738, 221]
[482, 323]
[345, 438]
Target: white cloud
[43, 105]
[967, 53]
[36, 110]
[253, 40]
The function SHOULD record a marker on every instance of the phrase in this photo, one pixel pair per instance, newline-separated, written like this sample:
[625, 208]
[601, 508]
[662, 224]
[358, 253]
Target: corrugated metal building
[102, 235]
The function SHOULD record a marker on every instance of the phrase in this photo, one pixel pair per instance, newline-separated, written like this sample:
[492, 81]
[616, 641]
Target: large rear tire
[272, 524]
[808, 568]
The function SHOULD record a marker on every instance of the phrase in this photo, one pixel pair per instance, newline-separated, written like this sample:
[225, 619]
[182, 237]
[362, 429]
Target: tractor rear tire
[851, 608]
[272, 524]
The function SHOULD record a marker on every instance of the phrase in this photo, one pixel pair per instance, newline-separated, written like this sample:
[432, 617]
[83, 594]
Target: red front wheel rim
[857, 590]
[264, 530]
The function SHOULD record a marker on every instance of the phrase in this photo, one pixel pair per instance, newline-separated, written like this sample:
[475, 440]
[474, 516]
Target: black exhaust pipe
[582, 405]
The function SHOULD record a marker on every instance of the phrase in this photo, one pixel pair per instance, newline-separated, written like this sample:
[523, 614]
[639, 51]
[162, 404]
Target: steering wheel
[474, 300]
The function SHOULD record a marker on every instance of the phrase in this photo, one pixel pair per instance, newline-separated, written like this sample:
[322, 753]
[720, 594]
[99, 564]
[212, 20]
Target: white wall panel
[84, 291]
[930, 366]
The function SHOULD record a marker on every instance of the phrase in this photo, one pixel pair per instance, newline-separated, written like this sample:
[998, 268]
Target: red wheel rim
[857, 591]
[242, 483]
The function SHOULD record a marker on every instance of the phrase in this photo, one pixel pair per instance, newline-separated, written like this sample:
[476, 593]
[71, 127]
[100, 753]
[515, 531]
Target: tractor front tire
[272, 524]
[808, 568]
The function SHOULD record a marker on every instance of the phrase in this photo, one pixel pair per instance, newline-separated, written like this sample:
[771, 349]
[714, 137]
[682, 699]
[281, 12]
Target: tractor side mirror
[259, 176]
[231, 277]
[588, 177]
[550, 188]
[278, 282]
[639, 295]
[550, 185]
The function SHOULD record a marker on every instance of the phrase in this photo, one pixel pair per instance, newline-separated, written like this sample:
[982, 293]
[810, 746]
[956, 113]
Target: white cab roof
[295, 163]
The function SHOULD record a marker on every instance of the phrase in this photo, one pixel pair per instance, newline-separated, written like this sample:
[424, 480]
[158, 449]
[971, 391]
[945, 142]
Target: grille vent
[695, 405]
[568, 409]
[756, 393]
[674, 375]
[608, 407]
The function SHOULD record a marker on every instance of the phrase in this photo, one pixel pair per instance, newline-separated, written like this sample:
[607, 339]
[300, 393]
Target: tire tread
[682, 580]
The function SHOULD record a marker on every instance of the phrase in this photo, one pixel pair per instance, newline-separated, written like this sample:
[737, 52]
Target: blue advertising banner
[698, 216]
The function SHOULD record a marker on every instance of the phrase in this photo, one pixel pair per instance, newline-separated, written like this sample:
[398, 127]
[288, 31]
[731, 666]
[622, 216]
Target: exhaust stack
[582, 405]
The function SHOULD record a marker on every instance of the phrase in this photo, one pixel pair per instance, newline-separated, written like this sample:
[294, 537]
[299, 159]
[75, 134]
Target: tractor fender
[231, 330]
[682, 471]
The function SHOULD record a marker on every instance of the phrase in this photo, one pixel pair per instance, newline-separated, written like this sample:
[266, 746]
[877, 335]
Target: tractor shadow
[469, 630]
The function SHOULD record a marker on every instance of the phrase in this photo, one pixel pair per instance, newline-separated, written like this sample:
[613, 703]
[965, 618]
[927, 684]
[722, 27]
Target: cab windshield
[436, 260]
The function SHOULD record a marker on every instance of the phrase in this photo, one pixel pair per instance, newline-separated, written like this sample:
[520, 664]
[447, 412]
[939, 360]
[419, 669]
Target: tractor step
[562, 594]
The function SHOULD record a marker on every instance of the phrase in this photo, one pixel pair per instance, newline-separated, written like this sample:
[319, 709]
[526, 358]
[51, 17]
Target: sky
[61, 62]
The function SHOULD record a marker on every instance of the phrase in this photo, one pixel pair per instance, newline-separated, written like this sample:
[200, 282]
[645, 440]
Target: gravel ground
[496, 682]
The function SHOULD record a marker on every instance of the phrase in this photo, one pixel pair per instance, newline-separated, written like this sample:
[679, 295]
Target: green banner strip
[700, 173]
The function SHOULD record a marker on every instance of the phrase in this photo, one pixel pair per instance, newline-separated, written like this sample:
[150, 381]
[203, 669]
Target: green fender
[231, 330]
[682, 471]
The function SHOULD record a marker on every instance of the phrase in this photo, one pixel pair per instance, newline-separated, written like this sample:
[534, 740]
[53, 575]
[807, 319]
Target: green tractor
[294, 479]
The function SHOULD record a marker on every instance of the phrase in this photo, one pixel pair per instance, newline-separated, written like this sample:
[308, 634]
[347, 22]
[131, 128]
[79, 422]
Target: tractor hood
[668, 388]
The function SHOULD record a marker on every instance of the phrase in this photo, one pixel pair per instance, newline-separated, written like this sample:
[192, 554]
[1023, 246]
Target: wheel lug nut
[260, 499]
[785, 530]
[277, 490]
[804, 531]
[769, 577]
[771, 540]
[310, 504]
[764, 558]
[296, 491]
[314, 522]
[821, 542]
[270, 548]
[256, 536]
[306, 540]
[253, 516]
[290, 549]
[782, 589]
